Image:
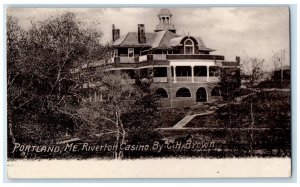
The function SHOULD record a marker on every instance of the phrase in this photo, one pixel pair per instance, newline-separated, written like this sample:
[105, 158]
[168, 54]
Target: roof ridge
[162, 38]
[124, 38]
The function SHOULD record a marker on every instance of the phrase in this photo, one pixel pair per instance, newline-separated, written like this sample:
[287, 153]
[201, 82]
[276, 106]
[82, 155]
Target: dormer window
[130, 52]
[188, 46]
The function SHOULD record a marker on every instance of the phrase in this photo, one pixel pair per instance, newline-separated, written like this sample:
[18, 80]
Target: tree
[48, 66]
[117, 98]
[253, 73]
[230, 82]
[42, 90]
[13, 43]
[278, 59]
[126, 109]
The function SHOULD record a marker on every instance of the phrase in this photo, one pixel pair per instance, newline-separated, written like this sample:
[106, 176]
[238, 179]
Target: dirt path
[186, 120]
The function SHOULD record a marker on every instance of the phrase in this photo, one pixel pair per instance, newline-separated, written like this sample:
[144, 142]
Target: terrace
[164, 57]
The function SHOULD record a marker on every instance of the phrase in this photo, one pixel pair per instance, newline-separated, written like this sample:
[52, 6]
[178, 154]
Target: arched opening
[216, 91]
[162, 93]
[183, 92]
[188, 46]
[201, 95]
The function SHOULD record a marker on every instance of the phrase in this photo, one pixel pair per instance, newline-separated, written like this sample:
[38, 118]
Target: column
[174, 74]
[192, 73]
[207, 68]
[169, 74]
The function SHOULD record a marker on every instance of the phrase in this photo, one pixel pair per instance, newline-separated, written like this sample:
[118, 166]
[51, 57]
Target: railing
[196, 79]
[200, 79]
[160, 79]
[143, 58]
[159, 57]
[162, 57]
[183, 79]
[194, 56]
[164, 27]
[124, 59]
[152, 57]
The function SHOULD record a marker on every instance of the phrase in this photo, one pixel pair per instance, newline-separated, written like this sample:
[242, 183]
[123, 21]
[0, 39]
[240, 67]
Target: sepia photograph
[157, 87]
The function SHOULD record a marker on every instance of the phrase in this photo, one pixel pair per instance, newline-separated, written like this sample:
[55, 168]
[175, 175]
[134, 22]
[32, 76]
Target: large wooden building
[184, 70]
[182, 67]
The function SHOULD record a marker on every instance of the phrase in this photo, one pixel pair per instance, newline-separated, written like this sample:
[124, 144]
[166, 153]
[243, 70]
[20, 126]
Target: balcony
[160, 79]
[183, 79]
[157, 57]
[152, 57]
[201, 79]
[194, 56]
[164, 57]
[125, 59]
[196, 79]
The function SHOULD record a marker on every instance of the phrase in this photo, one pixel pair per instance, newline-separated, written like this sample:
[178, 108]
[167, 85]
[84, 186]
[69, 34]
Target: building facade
[183, 69]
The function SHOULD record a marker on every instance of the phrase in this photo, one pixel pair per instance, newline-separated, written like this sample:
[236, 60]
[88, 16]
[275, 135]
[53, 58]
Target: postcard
[170, 92]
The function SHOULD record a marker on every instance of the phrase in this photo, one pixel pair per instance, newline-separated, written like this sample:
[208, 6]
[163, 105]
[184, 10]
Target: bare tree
[116, 99]
[279, 58]
[252, 70]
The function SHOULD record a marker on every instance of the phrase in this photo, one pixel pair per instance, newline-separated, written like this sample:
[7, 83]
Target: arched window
[160, 92]
[201, 95]
[188, 46]
[215, 91]
[183, 92]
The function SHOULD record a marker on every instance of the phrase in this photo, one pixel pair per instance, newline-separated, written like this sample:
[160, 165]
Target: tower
[165, 21]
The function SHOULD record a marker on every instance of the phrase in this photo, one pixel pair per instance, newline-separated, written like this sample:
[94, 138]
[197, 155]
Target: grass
[231, 127]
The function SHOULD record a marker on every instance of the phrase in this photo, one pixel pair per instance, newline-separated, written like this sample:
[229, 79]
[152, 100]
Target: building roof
[164, 12]
[131, 40]
[157, 40]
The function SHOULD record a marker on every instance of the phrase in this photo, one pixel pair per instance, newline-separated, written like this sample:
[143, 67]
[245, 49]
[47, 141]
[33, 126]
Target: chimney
[115, 33]
[141, 34]
[238, 60]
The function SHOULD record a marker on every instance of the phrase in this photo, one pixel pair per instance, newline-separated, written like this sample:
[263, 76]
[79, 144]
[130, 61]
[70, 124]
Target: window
[130, 52]
[200, 71]
[183, 71]
[201, 95]
[188, 47]
[160, 72]
[183, 92]
[116, 52]
[160, 92]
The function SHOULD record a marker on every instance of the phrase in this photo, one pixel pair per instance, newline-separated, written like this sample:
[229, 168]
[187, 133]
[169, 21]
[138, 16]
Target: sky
[236, 31]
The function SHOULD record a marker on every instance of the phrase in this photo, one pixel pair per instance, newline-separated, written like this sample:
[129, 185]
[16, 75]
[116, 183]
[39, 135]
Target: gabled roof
[131, 40]
[157, 40]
